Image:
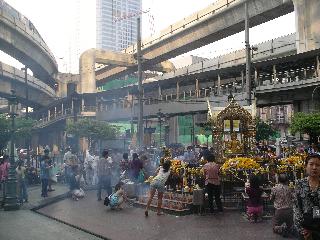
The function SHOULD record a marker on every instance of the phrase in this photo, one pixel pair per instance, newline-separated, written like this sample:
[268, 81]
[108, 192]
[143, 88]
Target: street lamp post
[160, 115]
[75, 101]
[25, 69]
[248, 56]
[140, 86]
[10, 201]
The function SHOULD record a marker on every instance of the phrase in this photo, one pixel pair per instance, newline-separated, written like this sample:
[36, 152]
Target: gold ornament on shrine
[233, 131]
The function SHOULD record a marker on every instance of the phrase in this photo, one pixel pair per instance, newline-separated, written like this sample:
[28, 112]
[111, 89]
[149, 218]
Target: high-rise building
[117, 23]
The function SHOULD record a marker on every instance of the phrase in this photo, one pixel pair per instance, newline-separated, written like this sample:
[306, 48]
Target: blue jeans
[23, 194]
[44, 187]
[104, 183]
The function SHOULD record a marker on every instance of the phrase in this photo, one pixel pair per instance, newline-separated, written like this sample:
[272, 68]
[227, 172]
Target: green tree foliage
[23, 128]
[264, 130]
[93, 130]
[308, 123]
[4, 131]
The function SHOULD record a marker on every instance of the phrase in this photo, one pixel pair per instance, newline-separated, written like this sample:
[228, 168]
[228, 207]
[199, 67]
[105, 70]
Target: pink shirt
[4, 170]
[211, 171]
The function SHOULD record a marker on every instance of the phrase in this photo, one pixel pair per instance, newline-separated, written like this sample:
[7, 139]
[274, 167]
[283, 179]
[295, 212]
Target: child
[254, 205]
[158, 183]
[118, 197]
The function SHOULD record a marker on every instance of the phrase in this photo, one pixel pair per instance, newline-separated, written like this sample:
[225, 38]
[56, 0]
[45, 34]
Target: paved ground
[130, 223]
[35, 199]
[34, 195]
[28, 225]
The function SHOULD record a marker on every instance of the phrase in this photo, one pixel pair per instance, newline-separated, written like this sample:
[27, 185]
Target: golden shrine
[233, 131]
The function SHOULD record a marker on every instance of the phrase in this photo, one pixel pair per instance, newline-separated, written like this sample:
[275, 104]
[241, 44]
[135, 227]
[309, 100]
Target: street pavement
[25, 224]
[28, 225]
[130, 223]
[35, 199]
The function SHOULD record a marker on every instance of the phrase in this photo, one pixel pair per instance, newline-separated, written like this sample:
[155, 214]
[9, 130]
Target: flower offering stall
[184, 179]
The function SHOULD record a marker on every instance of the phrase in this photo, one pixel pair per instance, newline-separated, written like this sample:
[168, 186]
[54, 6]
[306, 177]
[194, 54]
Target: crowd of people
[296, 208]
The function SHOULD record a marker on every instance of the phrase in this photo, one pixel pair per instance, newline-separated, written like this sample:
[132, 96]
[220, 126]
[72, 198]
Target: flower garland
[245, 165]
[292, 163]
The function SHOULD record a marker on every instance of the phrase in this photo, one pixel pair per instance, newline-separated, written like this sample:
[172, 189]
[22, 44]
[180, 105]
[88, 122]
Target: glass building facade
[116, 22]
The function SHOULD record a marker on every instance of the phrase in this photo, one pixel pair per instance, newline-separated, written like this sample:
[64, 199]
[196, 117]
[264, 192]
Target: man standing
[44, 175]
[66, 162]
[104, 174]
[212, 182]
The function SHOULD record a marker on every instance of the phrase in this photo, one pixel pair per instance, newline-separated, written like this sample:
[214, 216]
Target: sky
[68, 26]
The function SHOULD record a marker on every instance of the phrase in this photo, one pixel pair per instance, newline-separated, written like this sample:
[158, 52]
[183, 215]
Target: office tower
[116, 23]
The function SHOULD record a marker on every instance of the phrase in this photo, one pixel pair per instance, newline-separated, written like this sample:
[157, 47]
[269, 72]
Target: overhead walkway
[40, 94]
[20, 39]
[219, 20]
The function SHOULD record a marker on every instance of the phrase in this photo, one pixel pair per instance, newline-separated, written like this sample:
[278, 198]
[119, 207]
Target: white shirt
[162, 176]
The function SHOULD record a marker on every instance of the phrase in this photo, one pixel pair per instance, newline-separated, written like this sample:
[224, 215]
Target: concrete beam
[219, 20]
[40, 94]
[87, 66]
[113, 58]
[20, 39]
[307, 24]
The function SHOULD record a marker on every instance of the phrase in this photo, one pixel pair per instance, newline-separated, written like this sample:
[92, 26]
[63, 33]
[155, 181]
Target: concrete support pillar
[178, 91]
[318, 66]
[242, 81]
[256, 77]
[274, 74]
[219, 85]
[72, 106]
[160, 92]
[48, 114]
[82, 105]
[197, 88]
[296, 106]
[173, 130]
[307, 24]
[62, 110]
[184, 95]
[55, 112]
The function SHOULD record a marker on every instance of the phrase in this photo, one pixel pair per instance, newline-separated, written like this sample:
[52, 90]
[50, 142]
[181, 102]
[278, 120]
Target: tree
[4, 131]
[308, 123]
[263, 130]
[93, 130]
[23, 128]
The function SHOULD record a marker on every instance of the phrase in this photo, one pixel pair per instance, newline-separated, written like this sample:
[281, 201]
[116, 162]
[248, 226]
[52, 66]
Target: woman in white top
[158, 183]
[21, 173]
